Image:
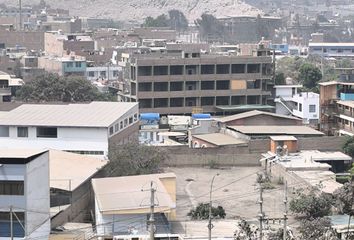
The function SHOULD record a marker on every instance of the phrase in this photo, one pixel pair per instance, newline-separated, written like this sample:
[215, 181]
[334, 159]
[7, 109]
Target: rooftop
[283, 138]
[251, 114]
[131, 194]
[19, 153]
[328, 44]
[70, 170]
[274, 130]
[347, 103]
[288, 86]
[94, 114]
[219, 139]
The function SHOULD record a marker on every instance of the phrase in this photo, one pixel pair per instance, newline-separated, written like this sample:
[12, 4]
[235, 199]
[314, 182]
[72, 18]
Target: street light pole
[210, 226]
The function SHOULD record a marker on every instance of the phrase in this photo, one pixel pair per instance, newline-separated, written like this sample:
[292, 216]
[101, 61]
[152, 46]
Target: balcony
[347, 96]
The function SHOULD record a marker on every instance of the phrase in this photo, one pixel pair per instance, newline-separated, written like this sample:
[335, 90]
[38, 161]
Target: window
[222, 69]
[69, 64]
[22, 132]
[253, 68]
[191, 85]
[176, 86]
[238, 68]
[207, 101]
[145, 87]
[78, 64]
[222, 101]
[176, 70]
[111, 131]
[116, 127]
[145, 103]
[103, 74]
[312, 108]
[135, 117]
[145, 71]
[207, 85]
[300, 107]
[11, 187]
[5, 224]
[131, 120]
[121, 124]
[126, 122]
[115, 73]
[176, 102]
[223, 85]
[191, 69]
[47, 132]
[31, 60]
[91, 74]
[160, 102]
[160, 70]
[83, 152]
[160, 86]
[4, 131]
[207, 69]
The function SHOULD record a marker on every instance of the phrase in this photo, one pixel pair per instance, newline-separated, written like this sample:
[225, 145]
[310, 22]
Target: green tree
[316, 229]
[201, 212]
[348, 146]
[177, 20]
[159, 21]
[280, 78]
[210, 28]
[312, 204]
[344, 198]
[309, 75]
[51, 87]
[134, 159]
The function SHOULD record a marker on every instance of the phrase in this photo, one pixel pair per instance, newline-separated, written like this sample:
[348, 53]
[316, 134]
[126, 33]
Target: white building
[305, 105]
[24, 190]
[334, 50]
[79, 128]
[109, 73]
[122, 205]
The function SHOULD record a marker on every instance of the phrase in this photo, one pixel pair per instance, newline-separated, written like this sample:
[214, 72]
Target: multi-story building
[80, 128]
[337, 108]
[64, 66]
[8, 86]
[182, 77]
[305, 105]
[107, 72]
[332, 50]
[24, 190]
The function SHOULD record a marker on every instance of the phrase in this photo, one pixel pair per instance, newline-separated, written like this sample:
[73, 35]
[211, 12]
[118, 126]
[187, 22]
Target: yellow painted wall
[171, 187]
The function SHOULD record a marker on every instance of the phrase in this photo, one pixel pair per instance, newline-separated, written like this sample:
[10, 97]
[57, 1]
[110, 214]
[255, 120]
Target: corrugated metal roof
[282, 130]
[131, 193]
[220, 139]
[251, 114]
[94, 114]
[70, 170]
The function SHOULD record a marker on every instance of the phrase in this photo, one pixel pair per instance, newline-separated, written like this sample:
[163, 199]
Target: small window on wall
[111, 131]
[22, 132]
[116, 127]
[130, 120]
[300, 107]
[121, 124]
[4, 131]
[135, 117]
[126, 122]
[47, 132]
[312, 108]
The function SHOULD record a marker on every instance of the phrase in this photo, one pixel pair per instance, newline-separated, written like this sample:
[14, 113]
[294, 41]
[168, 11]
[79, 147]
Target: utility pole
[210, 225]
[20, 3]
[11, 224]
[152, 206]
[285, 209]
[261, 214]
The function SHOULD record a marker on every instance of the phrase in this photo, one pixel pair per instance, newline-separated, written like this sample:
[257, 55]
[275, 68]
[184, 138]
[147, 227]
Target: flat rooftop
[94, 114]
[276, 130]
[328, 44]
[220, 139]
[117, 195]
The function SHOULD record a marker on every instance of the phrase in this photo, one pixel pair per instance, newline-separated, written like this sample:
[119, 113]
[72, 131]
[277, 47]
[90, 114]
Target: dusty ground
[234, 188]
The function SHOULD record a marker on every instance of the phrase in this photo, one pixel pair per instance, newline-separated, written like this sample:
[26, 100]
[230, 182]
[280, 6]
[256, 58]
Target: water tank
[150, 116]
[201, 116]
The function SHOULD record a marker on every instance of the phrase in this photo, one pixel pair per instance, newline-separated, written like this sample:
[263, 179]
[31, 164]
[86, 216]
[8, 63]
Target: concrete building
[8, 86]
[69, 26]
[24, 190]
[58, 44]
[110, 73]
[71, 65]
[332, 50]
[122, 205]
[304, 105]
[183, 77]
[337, 103]
[32, 40]
[79, 128]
